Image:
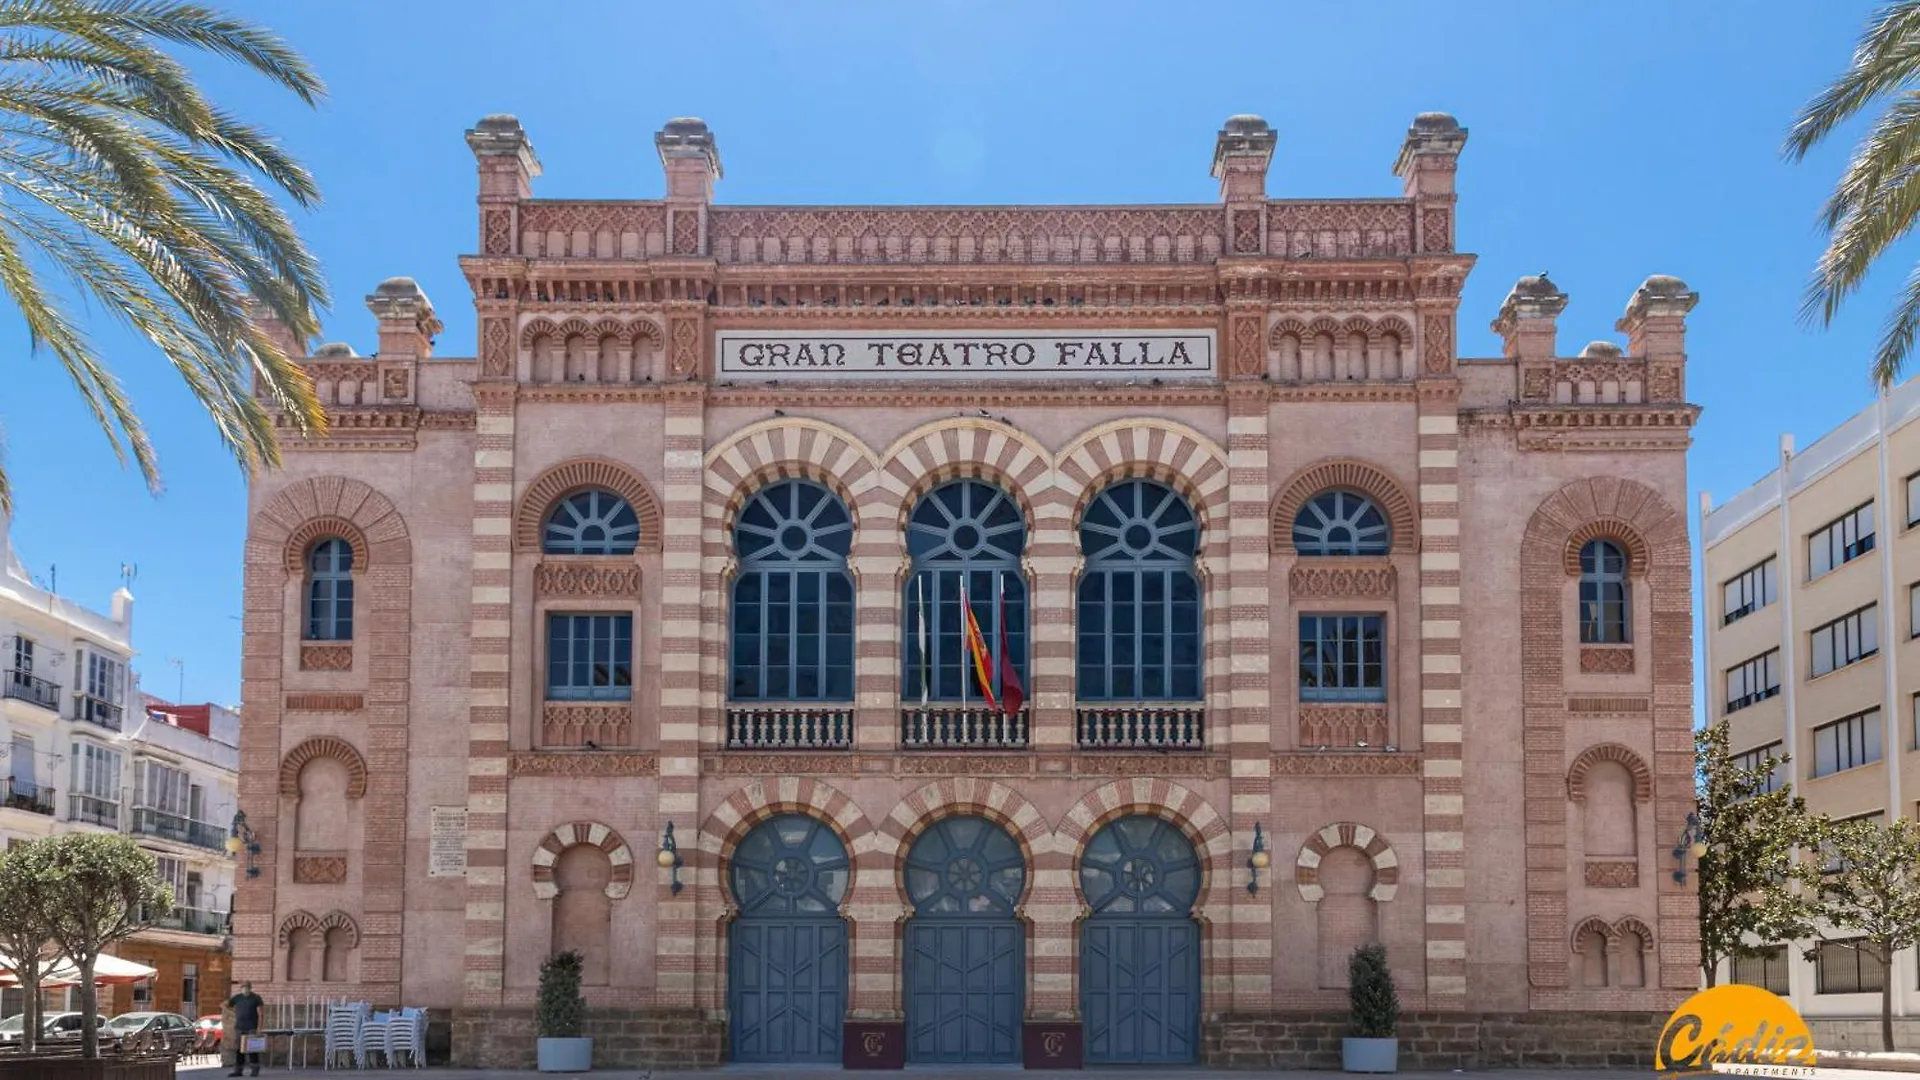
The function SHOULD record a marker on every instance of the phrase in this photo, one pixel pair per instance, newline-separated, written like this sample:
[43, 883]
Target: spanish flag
[977, 647]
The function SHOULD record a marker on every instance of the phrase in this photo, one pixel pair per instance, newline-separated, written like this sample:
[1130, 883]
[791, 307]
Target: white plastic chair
[343, 1032]
[407, 1034]
[372, 1040]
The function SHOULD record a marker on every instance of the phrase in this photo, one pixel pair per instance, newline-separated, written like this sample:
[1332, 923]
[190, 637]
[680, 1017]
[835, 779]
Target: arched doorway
[1140, 948]
[787, 952]
[966, 954]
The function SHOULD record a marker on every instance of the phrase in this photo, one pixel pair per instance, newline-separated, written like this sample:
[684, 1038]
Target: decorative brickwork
[583, 832]
[325, 746]
[556, 578]
[300, 542]
[1612, 874]
[1606, 659]
[325, 702]
[1314, 580]
[1342, 726]
[1352, 475]
[319, 869]
[1635, 765]
[568, 477]
[327, 657]
[1614, 529]
[1386, 864]
[586, 723]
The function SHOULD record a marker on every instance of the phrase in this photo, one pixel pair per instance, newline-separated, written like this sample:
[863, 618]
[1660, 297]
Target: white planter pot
[565, 1055]
[1370, 1055]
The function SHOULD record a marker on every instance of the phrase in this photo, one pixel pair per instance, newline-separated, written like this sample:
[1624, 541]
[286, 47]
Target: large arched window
[330, 591]
[1341, 522]
[591, 522]
[1603, 593]
[793, 600]
[1139, 617]
[966, 531]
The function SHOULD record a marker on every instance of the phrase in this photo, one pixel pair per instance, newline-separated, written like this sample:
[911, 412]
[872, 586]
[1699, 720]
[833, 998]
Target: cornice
[1590, 427]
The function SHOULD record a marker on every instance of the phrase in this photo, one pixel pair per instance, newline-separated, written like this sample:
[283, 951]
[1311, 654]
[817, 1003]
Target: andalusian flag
[977, 647]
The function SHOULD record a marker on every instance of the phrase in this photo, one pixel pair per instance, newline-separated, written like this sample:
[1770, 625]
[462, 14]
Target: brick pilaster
[1443, 822]
[1248, 954]
[682, 586]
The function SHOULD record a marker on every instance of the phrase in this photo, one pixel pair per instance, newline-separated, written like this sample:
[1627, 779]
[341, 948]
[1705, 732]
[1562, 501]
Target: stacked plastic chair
[344, 1023]
[373, 1040]
[407, 1034]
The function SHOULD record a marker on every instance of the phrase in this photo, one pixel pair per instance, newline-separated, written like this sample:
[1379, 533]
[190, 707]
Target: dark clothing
[246, 1011]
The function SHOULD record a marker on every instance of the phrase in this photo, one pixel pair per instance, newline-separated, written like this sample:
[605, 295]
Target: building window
[1755, 588]
[189, 989]
[964, 537]
[1343, 658]
[1840, 542]
[1913, 500]
[1754, 681]
[174, 872]
[161, 788]
[330, 591]
[23, 655]
[1768, 971]
[1139, 614]
[793, 601]
[1756, 759]
[1603, 593]
[1913, 610]
[1847, 967]
[96, 785]
[1848, 639]
[1847, 743]
[589, 657]
[1341, 523]
[591, 522]
[1916, 729]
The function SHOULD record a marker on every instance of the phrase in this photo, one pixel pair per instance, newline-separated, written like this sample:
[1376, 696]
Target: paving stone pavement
[742, 1072]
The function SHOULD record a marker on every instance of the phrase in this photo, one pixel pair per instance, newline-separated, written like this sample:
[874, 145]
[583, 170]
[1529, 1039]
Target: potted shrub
[1373, 1014]
[561, 1015]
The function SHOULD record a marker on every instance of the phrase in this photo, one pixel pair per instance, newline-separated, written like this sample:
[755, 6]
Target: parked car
[11, 1027]
[65, 1027]
[150, 1031]
[210, 1031]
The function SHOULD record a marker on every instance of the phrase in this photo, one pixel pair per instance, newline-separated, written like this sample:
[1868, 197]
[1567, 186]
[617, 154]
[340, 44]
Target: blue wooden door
[966, 952]
[787, 953]
[1140, 948]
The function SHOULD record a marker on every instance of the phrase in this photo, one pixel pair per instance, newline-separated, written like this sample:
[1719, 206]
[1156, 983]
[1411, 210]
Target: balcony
[93, 811]
[958, 727]
[97, 711]
[180, 829]
[192, 920]
[1141, 726]
[789, 727]
[21, 795]
[26, 686]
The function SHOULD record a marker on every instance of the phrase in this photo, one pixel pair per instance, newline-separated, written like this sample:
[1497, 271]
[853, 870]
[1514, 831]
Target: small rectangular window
[1754, 681]
[1846, 640]
[1846, 743]
[1913, 610]
[1757, 757]
[1847, 967]
[1343, 658]
[589, 657]
[1753, 589]
[1767, 971]
[1840, 542]
[1913, 500]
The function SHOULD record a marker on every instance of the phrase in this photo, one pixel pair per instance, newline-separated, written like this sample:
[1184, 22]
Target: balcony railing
[97, 711]
[27, 686]
[789, 727]
[148, 821]
[956, 727]
[21, 795]
[192, 920]
[94, 811]
[1140, 726]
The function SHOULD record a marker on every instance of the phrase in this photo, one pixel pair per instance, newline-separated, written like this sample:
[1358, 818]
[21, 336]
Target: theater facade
[973, 634]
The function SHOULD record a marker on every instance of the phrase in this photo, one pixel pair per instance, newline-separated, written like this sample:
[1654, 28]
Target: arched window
[1347, 917]
[793, 600]
[970, 532]
[1139, 617]
[591, 522]
[1603, 593]
[1341, 523]
[330, 591]
[582, 912]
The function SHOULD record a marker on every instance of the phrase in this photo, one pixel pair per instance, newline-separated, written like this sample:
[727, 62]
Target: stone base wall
[1434, 1041]
[622, 1039]
[1863, 1033]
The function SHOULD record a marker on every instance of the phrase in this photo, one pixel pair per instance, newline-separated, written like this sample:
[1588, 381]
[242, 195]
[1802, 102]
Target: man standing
[246, 1007]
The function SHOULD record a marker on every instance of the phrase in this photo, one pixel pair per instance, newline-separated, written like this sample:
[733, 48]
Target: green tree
[24, 936]
[1872, 891]
[97, 888]
[122, 188]
[1753, 889]
[1877, 198]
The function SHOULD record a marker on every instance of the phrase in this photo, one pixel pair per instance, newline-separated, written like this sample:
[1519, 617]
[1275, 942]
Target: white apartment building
[1810, 586]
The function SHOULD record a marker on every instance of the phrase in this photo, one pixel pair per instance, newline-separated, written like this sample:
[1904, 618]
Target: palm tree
[123, 188]
[1878, 197]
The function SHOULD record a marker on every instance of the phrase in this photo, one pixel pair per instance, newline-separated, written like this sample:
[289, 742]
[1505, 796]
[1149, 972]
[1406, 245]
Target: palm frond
[1883, 62]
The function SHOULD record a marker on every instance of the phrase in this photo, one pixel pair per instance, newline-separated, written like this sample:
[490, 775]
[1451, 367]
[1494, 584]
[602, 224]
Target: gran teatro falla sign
[967, 354]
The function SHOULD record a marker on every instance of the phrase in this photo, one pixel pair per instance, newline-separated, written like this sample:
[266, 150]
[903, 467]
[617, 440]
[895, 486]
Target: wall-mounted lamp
[1693, 841]
[240, 838]
[1257, 861]
[669, 857]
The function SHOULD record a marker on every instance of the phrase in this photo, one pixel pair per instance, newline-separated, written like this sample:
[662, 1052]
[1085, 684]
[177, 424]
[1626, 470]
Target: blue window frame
[589, 657]
[1139, 617]
[591, 522]
[793, 601]
[330, 590]
[1603, 593]
[1343, 658]
[1341, 522]
[965, 531]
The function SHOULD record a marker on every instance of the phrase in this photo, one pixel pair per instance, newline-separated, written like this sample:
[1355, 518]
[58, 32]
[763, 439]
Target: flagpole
[926, 661]
[966, 612]
[999, 627]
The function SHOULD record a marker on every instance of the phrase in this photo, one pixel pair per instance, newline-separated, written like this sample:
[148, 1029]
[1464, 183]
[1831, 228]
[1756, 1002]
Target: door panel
[787, 987]
[1140, 990]
[964, 990]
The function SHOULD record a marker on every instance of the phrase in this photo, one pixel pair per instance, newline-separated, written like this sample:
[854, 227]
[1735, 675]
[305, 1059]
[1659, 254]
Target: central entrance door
[966, 953]
[787, 952]
[1140, 949]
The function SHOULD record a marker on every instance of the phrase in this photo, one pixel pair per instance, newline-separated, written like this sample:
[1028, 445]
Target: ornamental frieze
[1333, 763]
[1310, 581]
[568, 579]
[582, 763]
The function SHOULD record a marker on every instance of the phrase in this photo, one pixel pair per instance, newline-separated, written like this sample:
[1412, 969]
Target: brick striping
[1441, 707]
[487, 695]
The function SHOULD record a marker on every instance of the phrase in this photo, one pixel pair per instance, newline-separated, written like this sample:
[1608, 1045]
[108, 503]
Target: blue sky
[1609, 141]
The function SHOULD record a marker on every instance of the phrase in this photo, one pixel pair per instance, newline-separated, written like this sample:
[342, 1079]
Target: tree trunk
[89, 1009]
[29, 973]
[1710, 967]
[1886, 1004]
